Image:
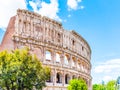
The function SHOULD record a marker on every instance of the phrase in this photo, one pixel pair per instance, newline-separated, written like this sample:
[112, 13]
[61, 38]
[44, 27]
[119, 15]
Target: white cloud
[47, 9]
[82, 7]
[108, 66]
[69, 15]
[107, 78]
[106, 71]
[73, 4]
[65, 20]
[8, 9]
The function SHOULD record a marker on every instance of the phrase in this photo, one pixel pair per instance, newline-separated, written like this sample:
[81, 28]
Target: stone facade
[65, 52]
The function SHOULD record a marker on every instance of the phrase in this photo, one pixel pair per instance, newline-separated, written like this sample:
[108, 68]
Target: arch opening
[58, 78]
[57, 57]
[48, 55]
[67, 78]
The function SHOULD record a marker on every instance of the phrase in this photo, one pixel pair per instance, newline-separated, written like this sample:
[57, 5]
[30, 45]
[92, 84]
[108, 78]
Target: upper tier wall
[32, 25]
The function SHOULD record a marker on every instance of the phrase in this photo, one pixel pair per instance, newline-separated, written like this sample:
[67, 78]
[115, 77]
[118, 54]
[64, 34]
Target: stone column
[76, 66]
[16, 25]
[62, 58]
[43, 27]
[71, 76]
[54, 57]
[63, 78]
[44, 54]
[71, 61]
[54, 77]
[90, 84]
[32, 29]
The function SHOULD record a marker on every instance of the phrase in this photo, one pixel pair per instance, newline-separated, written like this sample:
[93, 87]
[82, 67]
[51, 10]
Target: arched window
[48, 55]
[59, 37]
[82, 68]
[79, 66]
[67, 78]
[24, 28]
[58, 78]
[66, 60]
[73, 42]
[73, 61]
[79, 77]
[73, 77]
[82, 48]
[37, 52]
[85, 80]
[57, 57]
[50, 78]
[86, 69]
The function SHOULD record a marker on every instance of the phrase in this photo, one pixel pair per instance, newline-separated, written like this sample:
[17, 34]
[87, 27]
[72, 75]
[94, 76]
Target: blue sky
[98, 21]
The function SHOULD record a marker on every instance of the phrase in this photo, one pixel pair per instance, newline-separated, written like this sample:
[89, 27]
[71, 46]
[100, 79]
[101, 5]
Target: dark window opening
[19, 20]
[82, 48]
[73, 42]
[58, 37]
[58, 78]
[66, 79]
[73, 77]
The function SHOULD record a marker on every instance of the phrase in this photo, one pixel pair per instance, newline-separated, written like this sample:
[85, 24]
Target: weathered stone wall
[66, 52]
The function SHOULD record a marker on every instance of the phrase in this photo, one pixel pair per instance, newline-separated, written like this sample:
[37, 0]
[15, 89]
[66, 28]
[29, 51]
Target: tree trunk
[7, 86]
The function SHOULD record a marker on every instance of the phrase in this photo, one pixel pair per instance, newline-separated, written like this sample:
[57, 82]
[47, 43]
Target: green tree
[98, 87]
[95, 87]
[77, 84]
[111, 85]
[20, 70]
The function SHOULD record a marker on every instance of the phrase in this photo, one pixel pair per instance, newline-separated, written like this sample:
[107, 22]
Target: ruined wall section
[40, 29]
[7, 42]
[35, 27]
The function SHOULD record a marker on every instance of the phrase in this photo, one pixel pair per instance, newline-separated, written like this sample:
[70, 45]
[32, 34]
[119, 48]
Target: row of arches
[48, 56]
[67, 60]
[60, 78]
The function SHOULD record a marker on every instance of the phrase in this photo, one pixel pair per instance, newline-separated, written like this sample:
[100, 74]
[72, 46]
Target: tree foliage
[20, 70]
[109, 86]
[77, 84]
[98, 87]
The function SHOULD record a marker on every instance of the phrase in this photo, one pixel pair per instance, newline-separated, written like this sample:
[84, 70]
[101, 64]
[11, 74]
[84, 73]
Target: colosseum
[65, 52]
